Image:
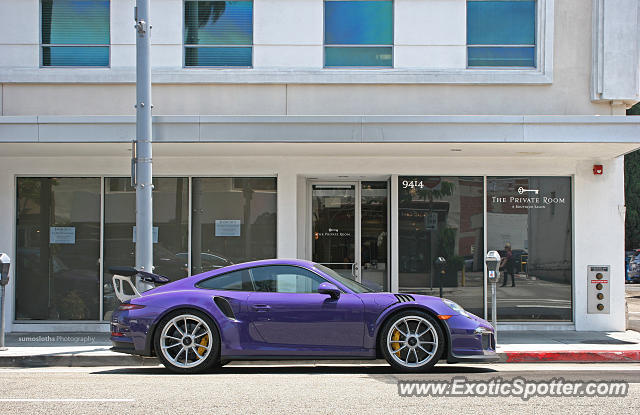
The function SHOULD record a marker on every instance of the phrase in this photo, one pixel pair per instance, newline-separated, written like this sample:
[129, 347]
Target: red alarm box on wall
[597, 169]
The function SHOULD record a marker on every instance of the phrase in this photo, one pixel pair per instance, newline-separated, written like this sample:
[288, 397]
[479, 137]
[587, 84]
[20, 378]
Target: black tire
[200, 364]
[407, 350]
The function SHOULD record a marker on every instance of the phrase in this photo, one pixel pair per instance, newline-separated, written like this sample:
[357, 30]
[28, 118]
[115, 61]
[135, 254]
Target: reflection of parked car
[633, 267]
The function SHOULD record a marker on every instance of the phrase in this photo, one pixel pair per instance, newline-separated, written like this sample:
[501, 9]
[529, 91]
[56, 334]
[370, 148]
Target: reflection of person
[506, 265]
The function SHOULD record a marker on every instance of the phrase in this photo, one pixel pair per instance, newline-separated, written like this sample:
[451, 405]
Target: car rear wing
[125, 288]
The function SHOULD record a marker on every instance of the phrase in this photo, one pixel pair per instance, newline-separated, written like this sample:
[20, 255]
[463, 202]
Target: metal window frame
[185, 46]
[325, 46]
[43, 45]
[538, 16]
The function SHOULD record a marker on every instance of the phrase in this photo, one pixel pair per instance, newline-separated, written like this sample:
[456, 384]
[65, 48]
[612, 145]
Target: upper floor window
[501, 33]
[218, 33]
[358, 33]
[74, 32]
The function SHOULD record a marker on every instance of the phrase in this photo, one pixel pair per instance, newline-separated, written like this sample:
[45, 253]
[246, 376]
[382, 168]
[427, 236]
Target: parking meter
[493, 275]
[441, 265]
[5, 263]
[493, 266]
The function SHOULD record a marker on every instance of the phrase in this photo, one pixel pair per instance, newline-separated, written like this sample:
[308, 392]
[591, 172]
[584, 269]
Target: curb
[572, 356]
[79, 360]
[70, 360]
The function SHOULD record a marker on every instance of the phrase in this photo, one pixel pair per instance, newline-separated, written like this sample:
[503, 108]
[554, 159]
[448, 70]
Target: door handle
[261, 307]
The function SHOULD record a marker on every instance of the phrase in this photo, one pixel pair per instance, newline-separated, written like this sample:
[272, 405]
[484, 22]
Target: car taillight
[130, 306]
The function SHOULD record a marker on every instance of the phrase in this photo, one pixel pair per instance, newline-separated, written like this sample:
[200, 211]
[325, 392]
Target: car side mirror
[329, 289]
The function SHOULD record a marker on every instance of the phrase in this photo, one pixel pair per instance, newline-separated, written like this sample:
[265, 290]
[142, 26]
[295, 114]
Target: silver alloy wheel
[416, 344]
[181, 341]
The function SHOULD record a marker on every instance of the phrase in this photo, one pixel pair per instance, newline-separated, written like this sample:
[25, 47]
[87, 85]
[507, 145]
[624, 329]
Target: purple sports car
[293, 309]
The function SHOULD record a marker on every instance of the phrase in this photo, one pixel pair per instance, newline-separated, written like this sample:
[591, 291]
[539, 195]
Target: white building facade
[372, 136]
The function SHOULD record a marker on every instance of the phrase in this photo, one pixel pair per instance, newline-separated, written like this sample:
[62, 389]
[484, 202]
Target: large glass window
[170, 229]
[234, 220]
[529, 223]
[501, 33]
[218, 33]
[74, 32]
[358, 33]
[442, 217]
[58, 249]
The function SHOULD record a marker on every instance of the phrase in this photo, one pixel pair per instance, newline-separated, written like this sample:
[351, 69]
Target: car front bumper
[471, 339]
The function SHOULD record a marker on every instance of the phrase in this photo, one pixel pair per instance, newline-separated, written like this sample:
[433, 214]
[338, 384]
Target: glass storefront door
[349, 230]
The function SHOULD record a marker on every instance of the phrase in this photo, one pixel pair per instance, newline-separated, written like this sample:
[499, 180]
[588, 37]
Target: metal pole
[2, 348]
[494, 310]
[143, 160]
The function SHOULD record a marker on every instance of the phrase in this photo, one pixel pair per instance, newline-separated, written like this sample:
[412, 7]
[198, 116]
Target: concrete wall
[429, 75]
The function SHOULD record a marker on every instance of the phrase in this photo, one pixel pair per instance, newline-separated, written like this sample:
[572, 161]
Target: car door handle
[261, 307]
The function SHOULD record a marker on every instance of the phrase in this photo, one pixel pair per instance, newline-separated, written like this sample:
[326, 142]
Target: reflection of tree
[197, 15]
[435, 241]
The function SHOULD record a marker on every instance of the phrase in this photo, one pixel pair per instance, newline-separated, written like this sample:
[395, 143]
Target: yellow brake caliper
[395, 337]
[203, 342]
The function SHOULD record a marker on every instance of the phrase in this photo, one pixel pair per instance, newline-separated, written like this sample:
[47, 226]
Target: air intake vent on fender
[404, 298]
[225, 307]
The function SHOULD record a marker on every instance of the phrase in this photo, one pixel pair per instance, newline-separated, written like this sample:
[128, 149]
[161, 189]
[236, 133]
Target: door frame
[357, 183]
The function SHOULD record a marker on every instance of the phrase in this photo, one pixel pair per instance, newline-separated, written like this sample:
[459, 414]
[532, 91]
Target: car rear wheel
[412, 341]
[187, 342]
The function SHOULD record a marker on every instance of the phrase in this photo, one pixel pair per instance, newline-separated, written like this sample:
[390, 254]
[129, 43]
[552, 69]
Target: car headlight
[455, 307]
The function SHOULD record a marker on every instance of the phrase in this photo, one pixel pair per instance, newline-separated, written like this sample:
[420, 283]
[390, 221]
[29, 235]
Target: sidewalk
[93, 349]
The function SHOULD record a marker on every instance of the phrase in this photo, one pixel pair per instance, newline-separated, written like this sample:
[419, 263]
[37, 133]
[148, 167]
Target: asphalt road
[297, 389]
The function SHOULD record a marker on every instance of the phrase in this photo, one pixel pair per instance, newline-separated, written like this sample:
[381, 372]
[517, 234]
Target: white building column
[599, 240]
[287, 214]
[7, 240]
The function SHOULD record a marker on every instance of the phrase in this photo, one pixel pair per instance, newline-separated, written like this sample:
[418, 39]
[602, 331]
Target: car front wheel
[187, 342]
[412, 341]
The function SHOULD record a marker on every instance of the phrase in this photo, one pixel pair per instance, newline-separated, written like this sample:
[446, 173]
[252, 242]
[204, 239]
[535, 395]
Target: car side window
[285, 279]
[232, 281]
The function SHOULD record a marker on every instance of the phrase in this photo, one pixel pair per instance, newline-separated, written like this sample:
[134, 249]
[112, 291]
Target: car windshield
[354, 286]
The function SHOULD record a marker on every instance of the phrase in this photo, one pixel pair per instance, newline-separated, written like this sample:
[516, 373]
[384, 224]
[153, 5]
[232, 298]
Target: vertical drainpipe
[143, 161]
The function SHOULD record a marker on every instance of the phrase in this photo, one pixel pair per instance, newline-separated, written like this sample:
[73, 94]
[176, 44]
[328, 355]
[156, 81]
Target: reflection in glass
[75, 22]
[334, 227]
[373, 235]
[234, 220]
[58, 249]
[502, 56]
[170, 221]
[501, 22]
[356, 33]
[221, 23]
[358, 22]
[531, 218]
[501, 33]
[358, 56]
[442, 217]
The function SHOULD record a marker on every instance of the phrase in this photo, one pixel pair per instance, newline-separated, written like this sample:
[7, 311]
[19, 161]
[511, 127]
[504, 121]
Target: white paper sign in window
[62, 235]
[227, 228]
